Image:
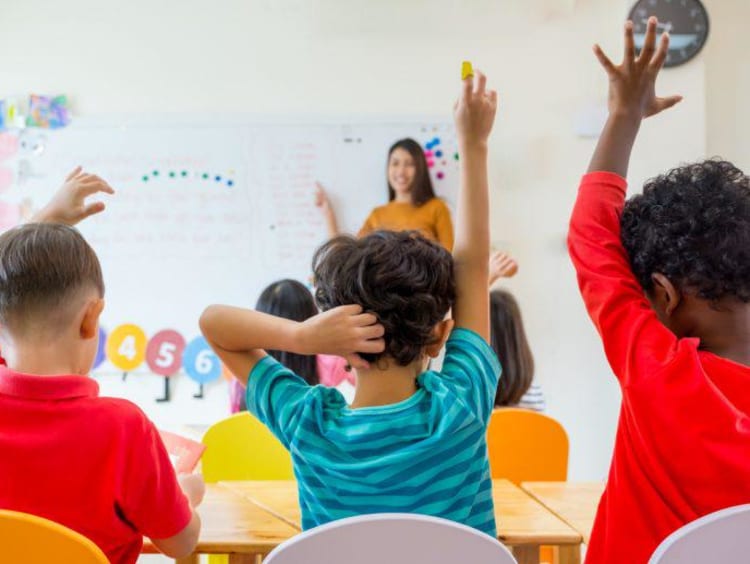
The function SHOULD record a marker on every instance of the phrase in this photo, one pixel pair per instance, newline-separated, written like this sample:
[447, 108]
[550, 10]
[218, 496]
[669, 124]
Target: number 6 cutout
[200, 362]
[164, 352]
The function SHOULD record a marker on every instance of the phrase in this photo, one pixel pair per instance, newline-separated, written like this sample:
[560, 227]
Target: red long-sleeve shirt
[683, 438]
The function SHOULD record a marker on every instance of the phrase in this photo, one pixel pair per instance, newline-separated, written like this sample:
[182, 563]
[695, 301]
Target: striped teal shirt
[426, 454]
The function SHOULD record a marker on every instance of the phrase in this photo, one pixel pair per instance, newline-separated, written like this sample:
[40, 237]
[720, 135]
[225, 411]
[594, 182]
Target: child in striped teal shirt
[412, 440]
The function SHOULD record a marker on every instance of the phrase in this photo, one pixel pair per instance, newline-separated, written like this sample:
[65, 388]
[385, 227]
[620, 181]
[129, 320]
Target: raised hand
[632, 90]
[474, 112]
[502, 265]
[69, 205]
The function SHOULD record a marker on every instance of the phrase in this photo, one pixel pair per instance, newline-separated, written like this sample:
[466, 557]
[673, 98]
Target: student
[95, 465]
[665, 277]
[412, 204]
[292, 300]
[508, 339]
[411, 440]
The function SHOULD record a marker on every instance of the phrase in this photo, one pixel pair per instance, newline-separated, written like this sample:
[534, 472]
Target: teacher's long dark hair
[421, 188]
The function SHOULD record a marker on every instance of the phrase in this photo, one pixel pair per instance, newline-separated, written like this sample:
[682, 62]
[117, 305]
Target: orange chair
[527, 446]
[34, 540]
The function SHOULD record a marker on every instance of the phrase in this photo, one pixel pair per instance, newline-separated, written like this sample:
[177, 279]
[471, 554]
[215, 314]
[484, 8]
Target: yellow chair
[241, 448]
[34, 540]
[527, 446]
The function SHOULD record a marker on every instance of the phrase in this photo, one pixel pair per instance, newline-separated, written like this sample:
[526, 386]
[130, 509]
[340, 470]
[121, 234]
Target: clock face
[685, 20]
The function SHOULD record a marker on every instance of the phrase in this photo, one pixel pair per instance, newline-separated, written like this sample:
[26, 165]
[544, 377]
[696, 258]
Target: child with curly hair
[666, 280]
[412, 440]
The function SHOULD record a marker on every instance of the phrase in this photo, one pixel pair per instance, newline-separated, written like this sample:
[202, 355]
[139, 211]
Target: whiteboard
[208, 213]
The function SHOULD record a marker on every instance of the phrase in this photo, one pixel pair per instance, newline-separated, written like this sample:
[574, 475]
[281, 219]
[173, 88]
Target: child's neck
[726, 333]
[388, 386]
[43, 359]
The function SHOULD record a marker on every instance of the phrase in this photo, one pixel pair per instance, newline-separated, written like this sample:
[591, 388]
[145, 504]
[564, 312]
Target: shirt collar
[64, 386]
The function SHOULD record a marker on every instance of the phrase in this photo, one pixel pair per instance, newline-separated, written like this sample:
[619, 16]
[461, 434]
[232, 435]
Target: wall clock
[685, 20]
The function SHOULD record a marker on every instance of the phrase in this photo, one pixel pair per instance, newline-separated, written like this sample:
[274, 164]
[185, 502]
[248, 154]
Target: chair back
[34, 540]
[395, 538]
[718, 538]
[241, 448]
[526, 446]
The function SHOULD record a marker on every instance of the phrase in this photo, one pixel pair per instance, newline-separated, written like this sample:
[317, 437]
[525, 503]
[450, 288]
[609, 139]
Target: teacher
[412, 202]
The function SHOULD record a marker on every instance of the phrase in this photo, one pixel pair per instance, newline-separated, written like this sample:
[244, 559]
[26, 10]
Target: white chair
[395, 538]
[722, 537]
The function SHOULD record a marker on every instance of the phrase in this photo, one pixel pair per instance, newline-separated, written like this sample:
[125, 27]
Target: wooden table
[574, 503]
[232, 525]
[522, 523]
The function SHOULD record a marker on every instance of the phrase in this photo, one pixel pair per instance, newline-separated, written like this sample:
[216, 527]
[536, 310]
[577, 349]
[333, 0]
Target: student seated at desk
[412, 440]
[95, 465]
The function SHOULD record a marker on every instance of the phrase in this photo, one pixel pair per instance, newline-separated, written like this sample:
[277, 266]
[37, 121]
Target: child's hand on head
[474, 112]
[69, 205]
[502, 266]
[632, 90]
[343, 331]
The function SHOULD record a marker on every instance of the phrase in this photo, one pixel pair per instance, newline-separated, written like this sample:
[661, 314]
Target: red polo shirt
[683, 439]
[96, 465]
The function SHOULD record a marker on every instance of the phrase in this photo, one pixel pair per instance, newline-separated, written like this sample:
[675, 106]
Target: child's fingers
[351, 309]
[649, 44]
[89, 188]
[657, 61]
[481, 83]
[356, 361]
[604, 60]
[667, 102]
[364, 319]
[372, 346]
[468, 85]
[73, 173]
[92, 209]
[372, 331]
[629, 55]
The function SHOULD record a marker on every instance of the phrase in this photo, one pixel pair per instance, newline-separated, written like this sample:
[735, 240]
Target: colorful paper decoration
[200, 362]
[48, 112]
[164, 352]
[126, 347]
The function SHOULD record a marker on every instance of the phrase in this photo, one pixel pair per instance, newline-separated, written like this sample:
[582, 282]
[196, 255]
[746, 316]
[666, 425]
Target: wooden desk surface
[520, 519]
[574, 503]
[230, 524]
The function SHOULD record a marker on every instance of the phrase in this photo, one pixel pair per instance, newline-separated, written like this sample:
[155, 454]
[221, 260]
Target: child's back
[95, 465]
[666, 280]
[425, 453]
[411, 441]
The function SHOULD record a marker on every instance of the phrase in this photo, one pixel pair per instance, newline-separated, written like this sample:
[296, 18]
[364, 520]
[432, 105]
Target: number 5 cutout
[164, 352]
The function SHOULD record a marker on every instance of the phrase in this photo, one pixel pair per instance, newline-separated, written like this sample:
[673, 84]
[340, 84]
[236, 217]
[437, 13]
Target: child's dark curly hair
[692, 225]
[402, 277]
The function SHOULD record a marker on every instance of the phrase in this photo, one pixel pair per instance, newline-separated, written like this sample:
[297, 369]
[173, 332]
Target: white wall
[334, 57]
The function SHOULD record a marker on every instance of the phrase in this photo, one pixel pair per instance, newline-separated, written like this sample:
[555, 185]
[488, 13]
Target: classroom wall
[398, 57]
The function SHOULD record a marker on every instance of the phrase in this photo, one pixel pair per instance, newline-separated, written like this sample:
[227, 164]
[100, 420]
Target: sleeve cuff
[603, 177]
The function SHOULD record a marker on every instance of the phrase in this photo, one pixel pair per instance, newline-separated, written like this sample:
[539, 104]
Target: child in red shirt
[666, 280]
[95, 465]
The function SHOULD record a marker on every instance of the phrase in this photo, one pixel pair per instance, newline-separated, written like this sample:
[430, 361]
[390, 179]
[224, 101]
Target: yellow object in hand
[466, 70]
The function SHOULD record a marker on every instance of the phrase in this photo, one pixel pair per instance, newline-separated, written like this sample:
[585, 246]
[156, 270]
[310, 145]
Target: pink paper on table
[184, 453]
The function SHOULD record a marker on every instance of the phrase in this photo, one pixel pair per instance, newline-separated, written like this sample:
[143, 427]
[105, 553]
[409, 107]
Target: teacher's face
[401, 171]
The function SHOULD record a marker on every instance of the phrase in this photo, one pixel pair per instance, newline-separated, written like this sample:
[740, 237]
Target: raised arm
[632, 97]
[634, 340]
[240, 336]
[68, 205]
[474, 115]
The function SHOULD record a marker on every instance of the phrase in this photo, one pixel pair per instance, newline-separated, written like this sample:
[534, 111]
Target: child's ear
[440, 334]
[90, 322]
[666, 295]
